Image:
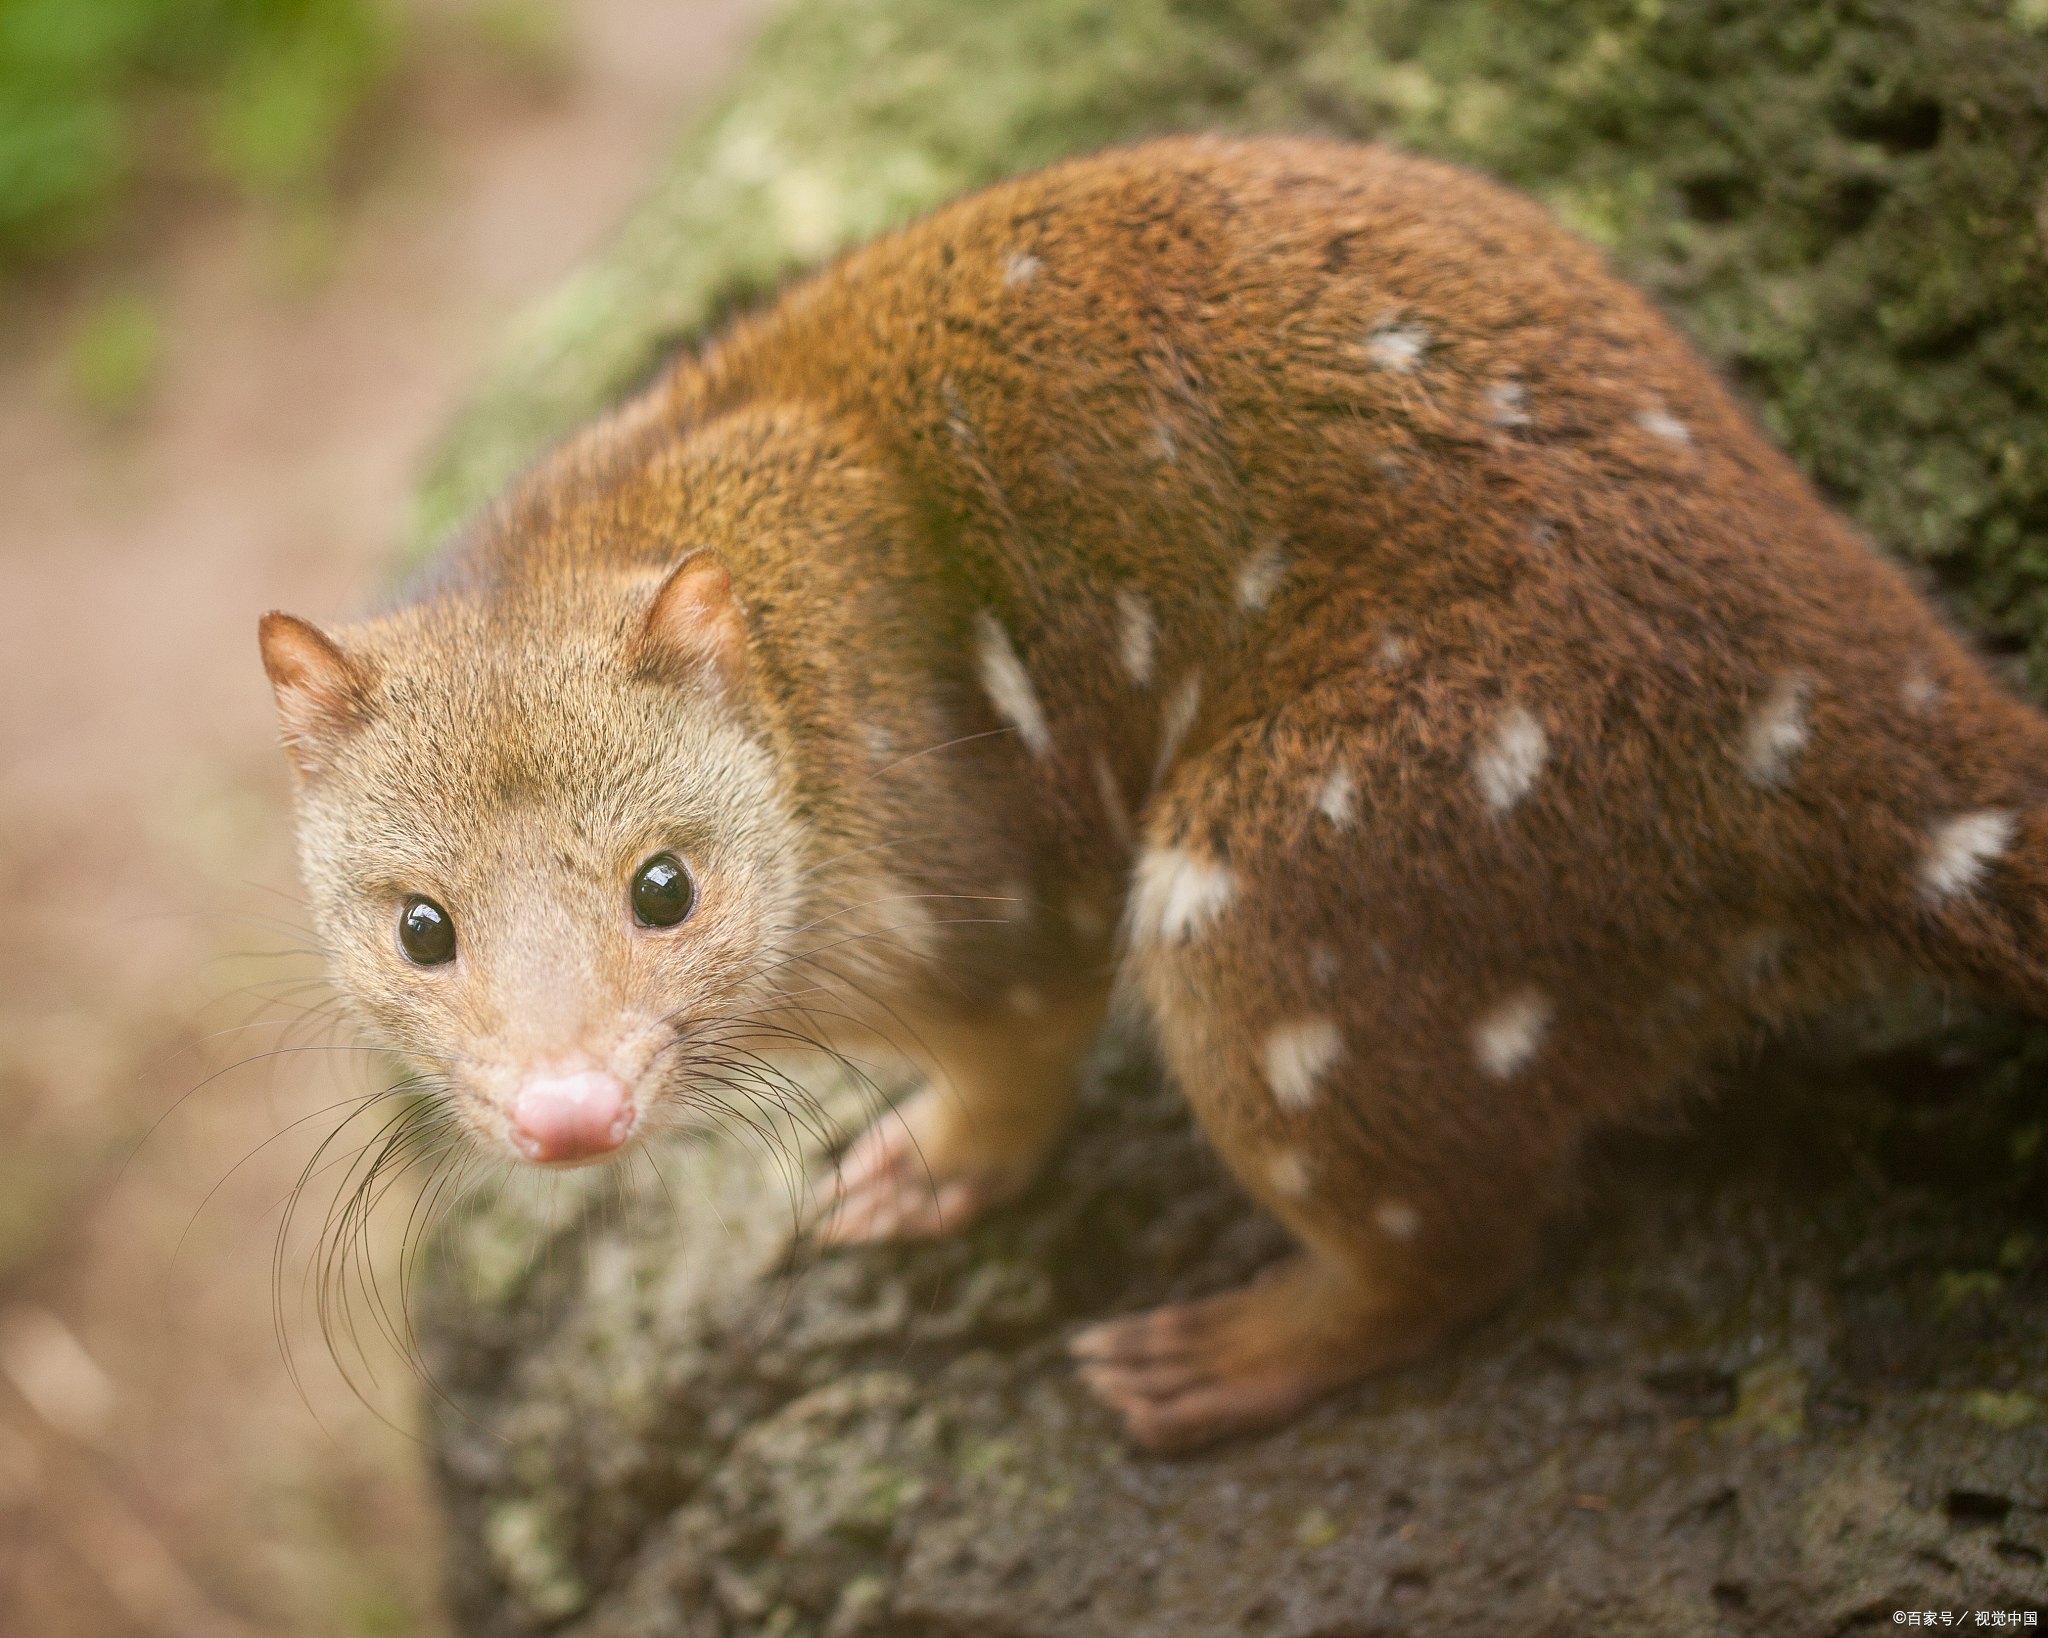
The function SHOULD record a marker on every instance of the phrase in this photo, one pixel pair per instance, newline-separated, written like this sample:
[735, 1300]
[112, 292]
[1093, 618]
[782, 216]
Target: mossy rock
[1789, 1376]
[1772, 1386]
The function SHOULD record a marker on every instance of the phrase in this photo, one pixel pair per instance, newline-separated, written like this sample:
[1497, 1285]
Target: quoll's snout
[560, 1119]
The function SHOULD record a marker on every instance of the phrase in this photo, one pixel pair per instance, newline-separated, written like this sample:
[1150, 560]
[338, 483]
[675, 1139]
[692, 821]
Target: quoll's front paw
[906, 1179]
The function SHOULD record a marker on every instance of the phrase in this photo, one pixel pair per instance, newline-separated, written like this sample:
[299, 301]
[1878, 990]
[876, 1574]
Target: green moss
[1770, 1402]
[526, 1547]
[982, 1456]
[2003, 1410]
[1957, 1291]
[1315, 1529]
[863, 1605]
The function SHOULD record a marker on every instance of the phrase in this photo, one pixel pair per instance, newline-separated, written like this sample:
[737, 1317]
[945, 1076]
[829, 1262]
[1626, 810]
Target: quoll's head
[547, 871]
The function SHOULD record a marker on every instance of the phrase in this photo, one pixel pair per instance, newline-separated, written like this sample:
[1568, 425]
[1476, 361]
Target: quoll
[1292, 581]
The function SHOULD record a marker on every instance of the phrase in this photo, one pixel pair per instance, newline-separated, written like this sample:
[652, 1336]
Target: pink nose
[571, 1117]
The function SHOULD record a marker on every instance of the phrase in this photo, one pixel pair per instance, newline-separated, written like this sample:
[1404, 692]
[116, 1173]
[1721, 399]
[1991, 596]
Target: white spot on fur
[1507, 404]
[1179, 718]
[1297, 1058]
[1023, 999]
[1507, 1037]
[1392, 651]
[1919, 693]
[1020, 269]
[1776, 734]
[1136, 634]
[1174, 895]
[880, 742]
[1164, 443]
[1397, 346]
[1112, 796]
[1334, 801]
[1661, 423]
[1322, 964]
[1260, 577]
[1959, 849]
[1009, 688]
[1288, 1173]
[1511, 757]
[1398, 1220]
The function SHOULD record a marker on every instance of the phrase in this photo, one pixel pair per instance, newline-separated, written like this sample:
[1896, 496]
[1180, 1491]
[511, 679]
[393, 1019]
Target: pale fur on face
[520, 785]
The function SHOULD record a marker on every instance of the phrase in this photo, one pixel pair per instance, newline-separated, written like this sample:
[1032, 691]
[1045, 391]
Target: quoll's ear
[322, 694]
[695, 629]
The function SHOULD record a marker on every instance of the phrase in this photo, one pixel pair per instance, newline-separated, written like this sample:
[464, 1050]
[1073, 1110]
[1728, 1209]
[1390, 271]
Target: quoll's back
[1292, 580]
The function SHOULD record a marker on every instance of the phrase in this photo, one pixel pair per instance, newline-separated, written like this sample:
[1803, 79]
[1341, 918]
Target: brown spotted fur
[1139, 374]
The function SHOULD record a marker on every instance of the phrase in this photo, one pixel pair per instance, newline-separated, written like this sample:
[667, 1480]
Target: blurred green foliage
[531, 38]
[113, 354]
[266, 87]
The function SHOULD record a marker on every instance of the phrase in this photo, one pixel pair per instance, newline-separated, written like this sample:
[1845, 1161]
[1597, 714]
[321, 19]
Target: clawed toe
[1125, 1387]
[922, 1170]
[1185, 1375]
[1154, 1371]
[896, 1206]
[884, 1189]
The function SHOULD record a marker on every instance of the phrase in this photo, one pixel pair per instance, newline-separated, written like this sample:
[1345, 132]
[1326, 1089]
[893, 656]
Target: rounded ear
[695, 629]
[322, 693]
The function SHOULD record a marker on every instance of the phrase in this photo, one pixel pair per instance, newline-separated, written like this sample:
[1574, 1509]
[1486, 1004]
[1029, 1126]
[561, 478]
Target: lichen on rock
[1740, 1398]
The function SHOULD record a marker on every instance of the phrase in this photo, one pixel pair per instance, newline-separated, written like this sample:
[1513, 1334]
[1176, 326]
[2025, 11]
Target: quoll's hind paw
[1167, 1377]
[894, 1185]
[1196, 1372]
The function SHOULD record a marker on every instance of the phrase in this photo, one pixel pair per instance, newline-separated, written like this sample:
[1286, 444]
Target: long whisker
[930, 750]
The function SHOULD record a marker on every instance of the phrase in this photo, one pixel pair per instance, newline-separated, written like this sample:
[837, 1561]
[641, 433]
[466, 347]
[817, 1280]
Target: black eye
[426, 932]
[662, 891]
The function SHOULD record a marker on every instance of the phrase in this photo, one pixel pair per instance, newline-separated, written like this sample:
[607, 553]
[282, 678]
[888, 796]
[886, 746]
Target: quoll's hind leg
[1406, 1236]
[1000, 1088]
[1400, 1089]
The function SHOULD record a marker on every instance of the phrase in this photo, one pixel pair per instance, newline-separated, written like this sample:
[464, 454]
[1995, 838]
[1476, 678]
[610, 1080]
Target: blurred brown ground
[159, 1471]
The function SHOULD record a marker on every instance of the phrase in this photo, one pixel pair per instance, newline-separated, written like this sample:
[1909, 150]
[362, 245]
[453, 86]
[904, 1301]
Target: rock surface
[1789, 1376]
[1772, 1385]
